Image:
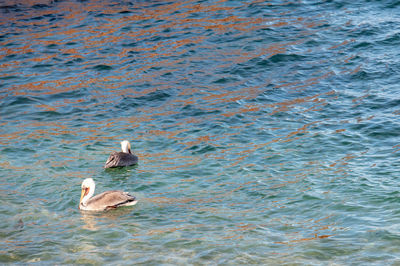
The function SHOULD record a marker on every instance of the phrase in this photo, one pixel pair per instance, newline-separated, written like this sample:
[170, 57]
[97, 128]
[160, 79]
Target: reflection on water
[92, 219]
[266, 131]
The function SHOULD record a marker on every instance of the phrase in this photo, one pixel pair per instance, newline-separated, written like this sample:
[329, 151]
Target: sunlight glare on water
[267, 131]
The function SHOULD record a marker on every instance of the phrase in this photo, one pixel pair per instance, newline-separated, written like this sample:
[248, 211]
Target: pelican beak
[82, 195]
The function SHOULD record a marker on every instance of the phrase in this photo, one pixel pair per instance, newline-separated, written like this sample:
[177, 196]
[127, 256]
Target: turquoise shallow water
[267, 132]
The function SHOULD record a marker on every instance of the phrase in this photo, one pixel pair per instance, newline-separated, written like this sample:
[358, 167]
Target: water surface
[268, 131]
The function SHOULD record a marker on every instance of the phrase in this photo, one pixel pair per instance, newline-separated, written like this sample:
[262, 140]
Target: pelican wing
[117, 159]
[110, 199]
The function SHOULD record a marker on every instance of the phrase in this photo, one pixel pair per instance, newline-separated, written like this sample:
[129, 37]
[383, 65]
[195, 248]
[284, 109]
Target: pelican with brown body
[124, 158]
[104, 201]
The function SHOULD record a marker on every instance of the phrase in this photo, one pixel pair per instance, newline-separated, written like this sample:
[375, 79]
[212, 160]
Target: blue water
[267, 132]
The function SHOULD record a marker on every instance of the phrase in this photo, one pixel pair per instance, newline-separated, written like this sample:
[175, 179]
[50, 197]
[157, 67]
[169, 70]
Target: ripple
[266, 132]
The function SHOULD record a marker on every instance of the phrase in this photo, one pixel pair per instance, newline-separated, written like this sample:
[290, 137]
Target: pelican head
[88, 187]
[126, 146]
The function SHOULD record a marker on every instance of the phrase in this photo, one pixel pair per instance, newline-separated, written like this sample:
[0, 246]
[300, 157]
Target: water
[268, 131]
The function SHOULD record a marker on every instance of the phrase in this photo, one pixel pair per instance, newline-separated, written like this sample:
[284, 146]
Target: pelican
[124, 158]
[104, 201]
